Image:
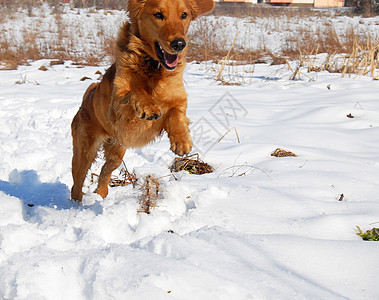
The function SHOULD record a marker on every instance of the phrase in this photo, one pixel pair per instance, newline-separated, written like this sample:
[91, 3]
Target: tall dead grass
[48, 34]
[361, 59]
[301, 30]
[347, 51]
[210, 39]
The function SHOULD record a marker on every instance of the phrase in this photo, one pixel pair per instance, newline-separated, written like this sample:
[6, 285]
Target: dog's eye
[184, 15]
[159, 16]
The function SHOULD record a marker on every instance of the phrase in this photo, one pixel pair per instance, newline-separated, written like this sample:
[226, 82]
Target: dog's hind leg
[114, 153]
[85, 147]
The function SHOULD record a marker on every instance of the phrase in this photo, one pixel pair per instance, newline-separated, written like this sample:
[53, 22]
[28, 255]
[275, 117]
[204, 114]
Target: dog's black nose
[178, 44]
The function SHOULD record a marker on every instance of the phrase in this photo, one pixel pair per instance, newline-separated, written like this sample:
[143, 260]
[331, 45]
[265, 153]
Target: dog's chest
[167, 90]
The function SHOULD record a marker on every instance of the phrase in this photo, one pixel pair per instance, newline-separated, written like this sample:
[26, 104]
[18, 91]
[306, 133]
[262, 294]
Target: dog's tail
[123, 38]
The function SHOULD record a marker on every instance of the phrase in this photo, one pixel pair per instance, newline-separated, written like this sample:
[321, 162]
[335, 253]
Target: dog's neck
[153, 63]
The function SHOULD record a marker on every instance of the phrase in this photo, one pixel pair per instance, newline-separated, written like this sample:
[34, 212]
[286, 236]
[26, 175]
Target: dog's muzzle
[178, 45]
[168, 60]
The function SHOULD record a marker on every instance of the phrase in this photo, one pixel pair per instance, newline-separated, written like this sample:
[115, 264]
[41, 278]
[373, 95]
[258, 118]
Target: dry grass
[346, 53]
[282, 153]
[149, 189]
[242, 10]
[362, 58]
[208, 40]
[30, 4]
[69, 40]
[302, 43]
[148, 199]
[43, 37]
[125, 178]
[205, 41]
[221, 66]
[193, 166]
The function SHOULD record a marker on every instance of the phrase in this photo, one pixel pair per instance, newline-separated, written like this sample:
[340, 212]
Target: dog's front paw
[148, 111]
[181, 145]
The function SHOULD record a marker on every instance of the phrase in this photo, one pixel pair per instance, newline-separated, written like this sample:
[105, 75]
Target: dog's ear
[200, 7]
[135, 7]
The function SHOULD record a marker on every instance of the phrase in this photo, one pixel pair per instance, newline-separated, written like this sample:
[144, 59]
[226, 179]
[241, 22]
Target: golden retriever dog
[141, 94]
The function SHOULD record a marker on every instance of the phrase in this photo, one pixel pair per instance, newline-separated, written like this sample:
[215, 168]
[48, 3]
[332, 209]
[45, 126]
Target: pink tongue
[171, 59]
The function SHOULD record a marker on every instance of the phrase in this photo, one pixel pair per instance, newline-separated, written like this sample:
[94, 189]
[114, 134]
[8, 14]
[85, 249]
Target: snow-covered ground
[259, 227]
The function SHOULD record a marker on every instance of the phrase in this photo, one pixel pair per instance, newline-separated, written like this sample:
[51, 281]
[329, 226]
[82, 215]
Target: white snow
[259, 227]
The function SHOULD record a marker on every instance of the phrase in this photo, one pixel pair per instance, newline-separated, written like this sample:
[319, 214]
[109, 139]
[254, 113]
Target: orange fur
[141, 94]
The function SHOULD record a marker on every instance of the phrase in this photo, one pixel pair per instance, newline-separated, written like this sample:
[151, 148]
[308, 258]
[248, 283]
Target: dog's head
[163, 24]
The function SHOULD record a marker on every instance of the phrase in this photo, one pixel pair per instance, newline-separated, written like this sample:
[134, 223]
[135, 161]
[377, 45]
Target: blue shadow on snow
[27, 186]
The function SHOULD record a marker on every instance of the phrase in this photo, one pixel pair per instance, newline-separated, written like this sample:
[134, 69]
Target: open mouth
[169, 61]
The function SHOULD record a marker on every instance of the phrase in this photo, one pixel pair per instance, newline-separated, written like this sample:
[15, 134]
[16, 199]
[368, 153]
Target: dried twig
[149, 197]
[235, 129]
[243, 173]
[93, 175]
